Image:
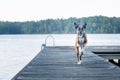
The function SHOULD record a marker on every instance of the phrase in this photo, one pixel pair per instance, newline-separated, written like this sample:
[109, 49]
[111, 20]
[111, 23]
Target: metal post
[119, 62]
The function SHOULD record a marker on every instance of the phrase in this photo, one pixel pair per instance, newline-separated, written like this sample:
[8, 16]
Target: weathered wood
[59, 63]
[105, 49]
[107, 52]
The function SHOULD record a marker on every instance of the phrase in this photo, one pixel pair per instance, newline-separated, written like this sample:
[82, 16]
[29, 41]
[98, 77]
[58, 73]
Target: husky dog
[81, 40]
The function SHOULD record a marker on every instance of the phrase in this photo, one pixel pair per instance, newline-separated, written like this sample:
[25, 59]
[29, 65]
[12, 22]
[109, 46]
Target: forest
[95, 24]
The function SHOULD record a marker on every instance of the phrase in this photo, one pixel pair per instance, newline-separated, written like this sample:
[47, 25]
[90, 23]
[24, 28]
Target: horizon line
[57, 18]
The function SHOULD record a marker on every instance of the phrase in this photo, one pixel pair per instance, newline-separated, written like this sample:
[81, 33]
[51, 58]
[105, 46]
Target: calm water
[17, 50]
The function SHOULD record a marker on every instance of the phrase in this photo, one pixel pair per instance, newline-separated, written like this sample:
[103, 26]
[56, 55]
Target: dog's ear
[85, 24]
[75, 24]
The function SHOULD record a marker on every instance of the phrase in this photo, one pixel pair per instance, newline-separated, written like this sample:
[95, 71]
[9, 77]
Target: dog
[81, 40]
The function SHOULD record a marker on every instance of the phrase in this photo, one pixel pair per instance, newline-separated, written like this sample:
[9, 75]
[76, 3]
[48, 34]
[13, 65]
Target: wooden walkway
[59, 63]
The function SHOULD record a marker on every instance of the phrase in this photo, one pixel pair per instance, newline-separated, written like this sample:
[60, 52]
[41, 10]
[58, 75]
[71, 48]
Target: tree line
[95, 24]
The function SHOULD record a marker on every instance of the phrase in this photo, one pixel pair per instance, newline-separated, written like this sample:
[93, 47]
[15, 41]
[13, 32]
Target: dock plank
[59, 63]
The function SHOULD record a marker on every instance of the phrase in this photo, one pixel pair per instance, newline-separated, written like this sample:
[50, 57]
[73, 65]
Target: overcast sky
[27, 10]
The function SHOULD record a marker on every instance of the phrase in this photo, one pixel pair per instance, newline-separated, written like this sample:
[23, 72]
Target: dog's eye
[82, 28]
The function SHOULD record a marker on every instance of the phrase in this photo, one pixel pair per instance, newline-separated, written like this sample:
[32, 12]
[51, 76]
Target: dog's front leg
[77, 54]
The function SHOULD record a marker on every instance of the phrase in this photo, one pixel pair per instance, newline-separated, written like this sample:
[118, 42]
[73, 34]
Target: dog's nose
[80, 32]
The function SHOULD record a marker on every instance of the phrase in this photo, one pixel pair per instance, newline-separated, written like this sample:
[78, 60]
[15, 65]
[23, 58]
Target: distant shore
[95, 24]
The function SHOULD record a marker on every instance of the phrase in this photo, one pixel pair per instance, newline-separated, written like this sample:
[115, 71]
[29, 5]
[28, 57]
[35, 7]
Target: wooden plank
[105, 49]
[107, 52]
[59, 63]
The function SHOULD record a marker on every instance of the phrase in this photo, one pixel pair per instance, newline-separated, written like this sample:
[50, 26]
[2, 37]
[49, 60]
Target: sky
[29, 10]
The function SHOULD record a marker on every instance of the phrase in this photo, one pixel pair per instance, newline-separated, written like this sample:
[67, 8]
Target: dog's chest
[81, 40]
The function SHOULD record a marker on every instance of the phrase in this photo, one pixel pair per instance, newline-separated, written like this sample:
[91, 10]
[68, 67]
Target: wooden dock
[59, 63]
[112, 53]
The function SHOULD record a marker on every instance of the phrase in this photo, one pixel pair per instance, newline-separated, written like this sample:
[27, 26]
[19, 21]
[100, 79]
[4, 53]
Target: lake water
[17, 50]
